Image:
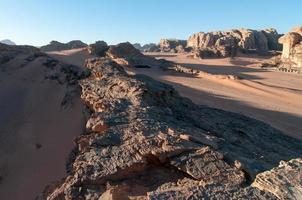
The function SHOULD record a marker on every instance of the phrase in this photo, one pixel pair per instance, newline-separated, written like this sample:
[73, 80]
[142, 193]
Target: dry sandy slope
[272, 97]
[31, 114]
[74, 57]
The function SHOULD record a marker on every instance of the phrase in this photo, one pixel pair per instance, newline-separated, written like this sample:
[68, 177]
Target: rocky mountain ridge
[58, 46]
[144, 141]
[222, 43]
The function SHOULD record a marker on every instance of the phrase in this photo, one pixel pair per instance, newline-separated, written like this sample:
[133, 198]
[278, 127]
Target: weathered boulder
[291, 59]
[99, 48]
[58, 46]
[159, 145]
[284, 181]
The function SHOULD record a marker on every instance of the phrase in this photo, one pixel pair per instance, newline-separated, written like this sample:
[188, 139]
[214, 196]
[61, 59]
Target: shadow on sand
[288, 123]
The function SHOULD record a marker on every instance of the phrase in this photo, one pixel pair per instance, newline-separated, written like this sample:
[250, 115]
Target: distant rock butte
[246, 39]
[144, 141]
[58, 46]
[7, 42]
[145, 47]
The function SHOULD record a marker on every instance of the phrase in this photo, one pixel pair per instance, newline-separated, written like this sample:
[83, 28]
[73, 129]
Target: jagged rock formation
[172, 45]
[126, 54]
[245, 39]
[7, 42]
[169, 46]
[58, 46]
[284, 181]
[144, 141]
[291, 59]
[99, 48]
[216, 52]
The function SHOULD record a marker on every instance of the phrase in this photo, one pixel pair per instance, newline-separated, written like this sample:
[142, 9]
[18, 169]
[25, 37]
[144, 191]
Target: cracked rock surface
[144, 141]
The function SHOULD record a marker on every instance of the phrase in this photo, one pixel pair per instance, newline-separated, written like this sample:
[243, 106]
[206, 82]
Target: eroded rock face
[99, 48]
[291, 59]
[154, 144]
[272, 37]
[172, 45]
[284, 181]
[58, 46]
[126, 54]
[221, 51]
[245, 39]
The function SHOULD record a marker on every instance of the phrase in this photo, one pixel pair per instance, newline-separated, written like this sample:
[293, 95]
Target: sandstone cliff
[246, 39]
[291, 59]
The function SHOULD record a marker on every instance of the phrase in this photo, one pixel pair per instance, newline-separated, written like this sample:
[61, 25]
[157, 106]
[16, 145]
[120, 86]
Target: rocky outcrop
[99, 48]
[284, 181]
[291, 59]
[58, 46]
[245, 39]
[272, 37]
[144, 141]
[221, 51]
[169, 46]
[172, 45]
[126, 55]
[9, 52]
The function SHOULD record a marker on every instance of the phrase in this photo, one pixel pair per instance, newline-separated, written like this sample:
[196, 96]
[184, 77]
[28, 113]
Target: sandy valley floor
[269, 96]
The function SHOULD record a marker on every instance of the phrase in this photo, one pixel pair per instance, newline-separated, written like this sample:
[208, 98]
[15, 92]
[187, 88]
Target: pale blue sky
[37, 22]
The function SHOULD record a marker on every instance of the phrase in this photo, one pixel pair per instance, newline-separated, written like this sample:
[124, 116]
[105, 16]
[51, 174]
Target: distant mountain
[8, 42]
[143, 47]
[58, 46]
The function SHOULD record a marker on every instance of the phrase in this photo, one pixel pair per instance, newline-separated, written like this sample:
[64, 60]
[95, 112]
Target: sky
[37, 22]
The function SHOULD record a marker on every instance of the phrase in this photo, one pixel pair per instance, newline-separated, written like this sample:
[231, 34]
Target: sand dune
[272, 97]
[36, 131]
[74, 57]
